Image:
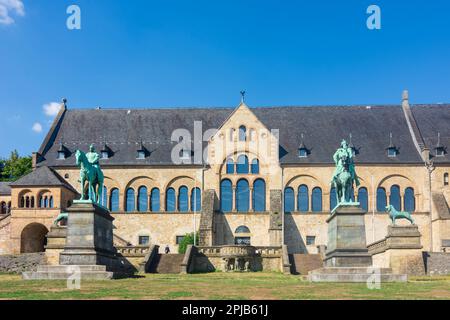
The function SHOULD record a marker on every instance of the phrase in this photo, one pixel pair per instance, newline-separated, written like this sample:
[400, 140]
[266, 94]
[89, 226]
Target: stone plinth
[56, 241]
[347, 238]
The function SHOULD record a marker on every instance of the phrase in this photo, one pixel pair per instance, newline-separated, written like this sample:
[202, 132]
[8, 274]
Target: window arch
[230, 166]
[363, 198]
[303, 198]
[289, 200]
[242, 164]
[130, 201]
[114, 200]
[196, 200]
[170, 200]
[255, 166]
[242, 236]
[394, 198]
[409, 202]
[381, 200]
[333, 198]
[316, 201]
[242, 196]
[242, 133]
[183, 196]
[242, 229]
[226, 196]
[155, 200]
[259, 195]
[142, 199]
[446, 179]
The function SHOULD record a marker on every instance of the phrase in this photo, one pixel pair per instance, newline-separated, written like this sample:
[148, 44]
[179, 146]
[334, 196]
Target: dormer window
[62, 152]
[106, 152]
[185, 154]
[392, 152]
[141, 154]
[61, 155]
[303, 153]
[439, 149]
[105, 155]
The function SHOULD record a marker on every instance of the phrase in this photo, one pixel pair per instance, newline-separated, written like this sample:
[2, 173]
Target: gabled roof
[323, 129]
[42, 176]
[5, 189]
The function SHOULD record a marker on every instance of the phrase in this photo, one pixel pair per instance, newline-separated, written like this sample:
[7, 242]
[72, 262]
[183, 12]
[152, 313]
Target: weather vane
[243, 96]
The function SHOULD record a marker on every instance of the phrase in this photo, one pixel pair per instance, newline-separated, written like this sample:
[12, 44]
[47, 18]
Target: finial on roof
[405, 96]
[64, 101]
[243, 96]
[439, 141]
[391, 145]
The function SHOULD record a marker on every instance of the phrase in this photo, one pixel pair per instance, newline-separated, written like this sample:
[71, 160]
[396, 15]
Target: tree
[187, 240]
[15, 167]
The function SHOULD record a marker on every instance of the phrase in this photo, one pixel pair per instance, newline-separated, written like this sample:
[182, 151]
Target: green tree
[187, 240]
[15, 167]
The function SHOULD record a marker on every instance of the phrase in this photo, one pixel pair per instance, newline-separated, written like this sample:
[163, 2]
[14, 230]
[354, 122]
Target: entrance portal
[33, 238]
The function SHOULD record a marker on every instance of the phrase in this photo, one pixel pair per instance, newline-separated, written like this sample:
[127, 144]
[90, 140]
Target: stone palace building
[260, 163]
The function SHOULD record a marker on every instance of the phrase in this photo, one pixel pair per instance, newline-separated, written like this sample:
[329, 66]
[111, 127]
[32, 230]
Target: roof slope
[322, 127]
[42, 176]
[5, 189]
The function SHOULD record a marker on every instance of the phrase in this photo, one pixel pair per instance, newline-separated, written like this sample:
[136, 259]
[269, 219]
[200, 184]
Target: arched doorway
[33, 238]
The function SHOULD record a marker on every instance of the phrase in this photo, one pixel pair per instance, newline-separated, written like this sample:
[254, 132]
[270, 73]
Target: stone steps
[303, 263]
[167, 263]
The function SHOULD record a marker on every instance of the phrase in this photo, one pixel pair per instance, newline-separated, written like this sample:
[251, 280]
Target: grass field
[218, 286]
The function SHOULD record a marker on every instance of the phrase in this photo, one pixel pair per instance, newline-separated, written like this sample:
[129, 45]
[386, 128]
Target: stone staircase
[166, 263]
[304, 263]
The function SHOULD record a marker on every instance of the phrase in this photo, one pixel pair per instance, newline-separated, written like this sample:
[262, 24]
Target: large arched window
[242, 196]
[394, 198]
[104, 200]
[242, 164]
[170, 200]
[142, 199]
[230, 166]
[409, 203]
[255, 166]
[130, 201]
[259, 195]
[196, 200]
[303, 198]
[333, 199]
[226, 196]
[381, 200]
[114, 200]
[242, 133]
[316, 204]
[289, 200]
[183, 196]
[155, 200]
[363, 198]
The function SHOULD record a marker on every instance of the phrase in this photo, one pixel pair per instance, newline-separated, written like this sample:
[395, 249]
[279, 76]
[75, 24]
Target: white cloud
[37, 127]
[51, 109]
[8, 7]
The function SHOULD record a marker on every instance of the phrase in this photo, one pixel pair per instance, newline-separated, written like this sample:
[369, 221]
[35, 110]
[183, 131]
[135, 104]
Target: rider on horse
[344, 152]
[93, 157]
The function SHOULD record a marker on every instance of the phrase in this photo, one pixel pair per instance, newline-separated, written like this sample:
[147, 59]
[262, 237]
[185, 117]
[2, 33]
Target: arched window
[130, 202]
[226, 196]
[255, 166]
[242, 236]
[50, 202]
[242, 133]
[242, 196]
[259, 195]
[183, 196]
[45, 202]
[154, 200]
[114, 200]
[230, 166]
[394, 198]
[41, 202]
[104, 201]
[196, 200]
[9, 207]
[242, 164]
[446, 179]
[333, 199]
[409, 202]
[316, 204]
[303, 198]
[3, 208]
[170, 200]
[381, 200]
[142, 199]
[363, 198]
[289, 200]
[22, 202]
[27, 201]
[32, 202]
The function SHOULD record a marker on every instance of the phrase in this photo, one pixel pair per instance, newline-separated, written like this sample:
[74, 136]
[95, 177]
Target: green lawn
[221, 286]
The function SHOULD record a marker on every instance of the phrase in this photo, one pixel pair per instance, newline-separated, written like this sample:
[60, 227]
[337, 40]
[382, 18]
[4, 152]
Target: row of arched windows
[5, 207]
[242, 165]
[46, 202]
[395, 199]
[239, 198]
[303, 202]
[143, 201]
[243, 134]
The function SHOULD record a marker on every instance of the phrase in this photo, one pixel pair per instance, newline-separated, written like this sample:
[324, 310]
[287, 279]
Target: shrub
[188, 239]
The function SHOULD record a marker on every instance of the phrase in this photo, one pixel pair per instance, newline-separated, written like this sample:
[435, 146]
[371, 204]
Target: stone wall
[21, 263]
[5, 229]
[437, 263]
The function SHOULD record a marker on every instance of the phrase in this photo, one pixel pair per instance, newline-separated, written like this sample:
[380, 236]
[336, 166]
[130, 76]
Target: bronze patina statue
[394, 214]
[344, 175]
[91, 176]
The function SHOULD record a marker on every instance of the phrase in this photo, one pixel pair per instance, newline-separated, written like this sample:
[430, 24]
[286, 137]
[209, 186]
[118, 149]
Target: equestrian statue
[344, 174]
[91, 176]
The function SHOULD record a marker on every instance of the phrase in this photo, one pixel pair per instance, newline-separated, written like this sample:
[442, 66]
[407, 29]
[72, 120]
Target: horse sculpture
[343, 181]
[394, 215]
[93, 189]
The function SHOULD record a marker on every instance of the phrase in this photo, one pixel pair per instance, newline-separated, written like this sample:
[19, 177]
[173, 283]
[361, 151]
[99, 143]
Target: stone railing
[133, 251]
[377, 246]
[240, 251]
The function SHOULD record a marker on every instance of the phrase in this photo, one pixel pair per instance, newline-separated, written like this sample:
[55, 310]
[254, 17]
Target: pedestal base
[93, 272]
[367, 275]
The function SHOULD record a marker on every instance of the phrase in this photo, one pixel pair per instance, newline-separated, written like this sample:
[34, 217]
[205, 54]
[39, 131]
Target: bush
[188, 239]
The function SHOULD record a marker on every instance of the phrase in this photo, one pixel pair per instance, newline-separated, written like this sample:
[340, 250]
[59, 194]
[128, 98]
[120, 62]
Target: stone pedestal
[89, 252]
[56, 241]
[347, 238]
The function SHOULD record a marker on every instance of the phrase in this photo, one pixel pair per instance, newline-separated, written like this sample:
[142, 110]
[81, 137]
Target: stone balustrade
[133, 251]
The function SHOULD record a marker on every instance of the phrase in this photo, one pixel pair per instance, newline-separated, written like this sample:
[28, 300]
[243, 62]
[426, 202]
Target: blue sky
[144, 53]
